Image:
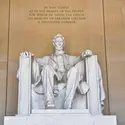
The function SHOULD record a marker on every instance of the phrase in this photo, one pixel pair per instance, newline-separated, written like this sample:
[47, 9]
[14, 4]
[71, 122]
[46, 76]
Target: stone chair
[30, 102]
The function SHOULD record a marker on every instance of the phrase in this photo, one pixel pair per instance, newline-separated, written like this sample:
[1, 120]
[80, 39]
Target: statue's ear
[64, 43]
[54, 44]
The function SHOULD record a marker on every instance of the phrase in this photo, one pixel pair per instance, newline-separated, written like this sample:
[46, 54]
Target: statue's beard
[59, 48]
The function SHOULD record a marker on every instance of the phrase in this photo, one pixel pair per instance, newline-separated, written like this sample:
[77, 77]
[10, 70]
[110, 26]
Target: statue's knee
[47, 68]
[74, 69]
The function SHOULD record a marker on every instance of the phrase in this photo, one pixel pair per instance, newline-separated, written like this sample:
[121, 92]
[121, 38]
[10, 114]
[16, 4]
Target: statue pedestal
[60, 117]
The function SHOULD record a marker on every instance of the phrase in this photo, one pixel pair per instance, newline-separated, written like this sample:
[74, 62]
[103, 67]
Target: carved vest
[60, 62]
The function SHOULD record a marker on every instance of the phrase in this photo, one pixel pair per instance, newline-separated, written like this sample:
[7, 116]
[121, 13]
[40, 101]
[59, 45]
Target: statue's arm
[35, 70]
[27, 59]
[37, 66]
[101, 88]
[76, 59]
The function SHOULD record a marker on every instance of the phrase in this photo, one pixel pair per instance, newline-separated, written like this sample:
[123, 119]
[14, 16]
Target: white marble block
[61, 117]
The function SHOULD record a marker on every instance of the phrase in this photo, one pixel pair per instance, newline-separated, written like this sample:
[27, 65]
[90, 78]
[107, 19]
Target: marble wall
[4, 26]
[114, 14]
[102, 31]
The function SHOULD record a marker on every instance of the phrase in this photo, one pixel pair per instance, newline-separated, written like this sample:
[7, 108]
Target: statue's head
[58, 42]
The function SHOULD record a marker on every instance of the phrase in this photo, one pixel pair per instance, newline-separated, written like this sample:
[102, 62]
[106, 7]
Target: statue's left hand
[87, 53]
[26, 54]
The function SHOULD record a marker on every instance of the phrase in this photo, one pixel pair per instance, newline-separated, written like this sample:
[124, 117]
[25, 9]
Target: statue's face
[59, 43]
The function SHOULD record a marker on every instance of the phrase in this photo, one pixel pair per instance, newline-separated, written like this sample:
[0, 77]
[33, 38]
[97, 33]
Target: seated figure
[51, 74]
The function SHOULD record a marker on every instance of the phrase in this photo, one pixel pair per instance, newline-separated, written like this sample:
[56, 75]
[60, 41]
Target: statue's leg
[48, 85]
[73, 77]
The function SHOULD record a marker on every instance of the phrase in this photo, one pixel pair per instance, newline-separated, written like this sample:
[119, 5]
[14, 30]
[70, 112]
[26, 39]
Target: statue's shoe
[50, 106]
[56, 92]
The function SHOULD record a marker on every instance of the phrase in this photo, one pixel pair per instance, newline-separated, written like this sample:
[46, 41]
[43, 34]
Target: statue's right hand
[26, 54]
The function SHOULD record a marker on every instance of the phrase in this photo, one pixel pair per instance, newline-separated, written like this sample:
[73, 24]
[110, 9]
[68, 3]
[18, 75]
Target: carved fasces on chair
[24, 87]
[95, 94]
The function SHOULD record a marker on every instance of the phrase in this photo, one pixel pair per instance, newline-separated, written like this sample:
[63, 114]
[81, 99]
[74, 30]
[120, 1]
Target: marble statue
[57, 68]
[60, 71]
[60, 89]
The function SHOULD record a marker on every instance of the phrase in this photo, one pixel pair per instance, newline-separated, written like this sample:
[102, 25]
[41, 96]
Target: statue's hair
[57, 36]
